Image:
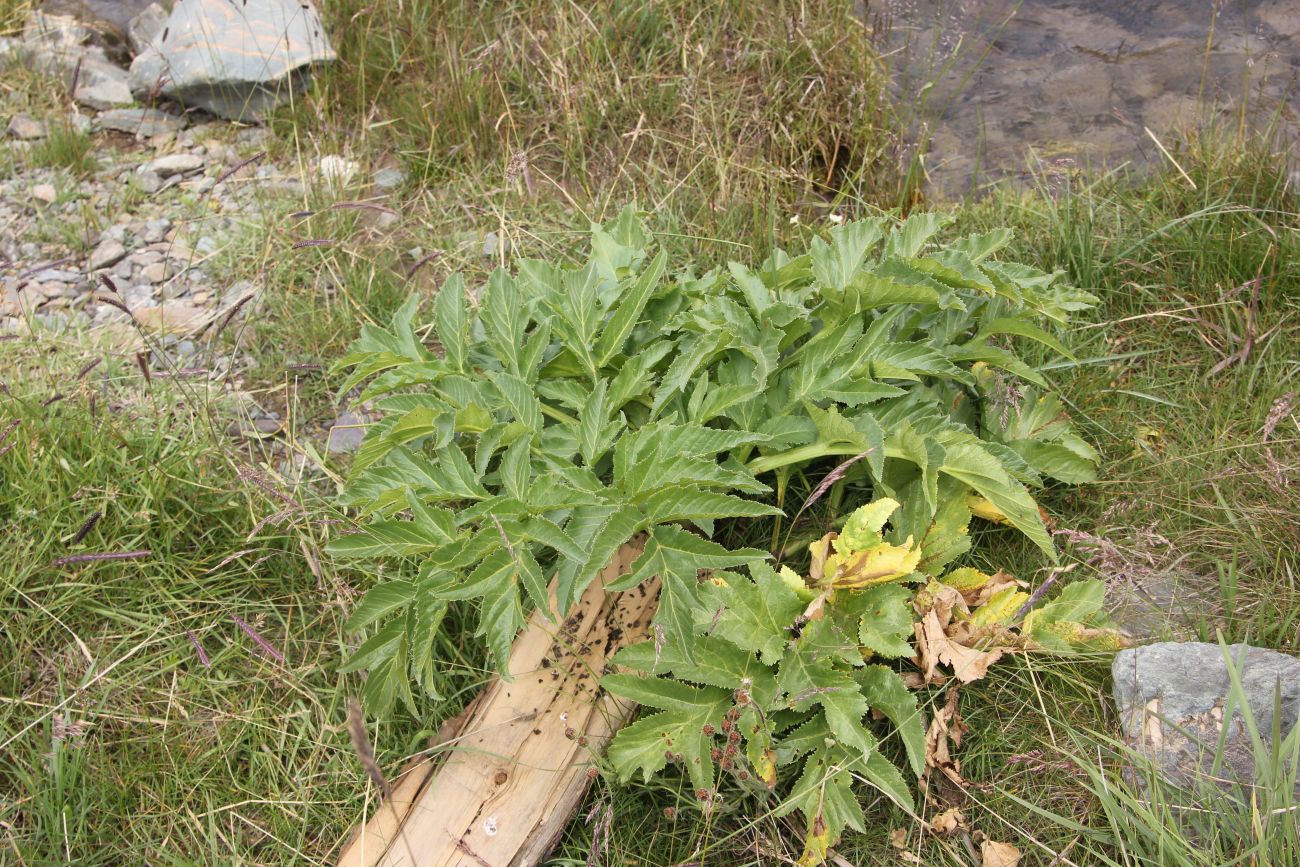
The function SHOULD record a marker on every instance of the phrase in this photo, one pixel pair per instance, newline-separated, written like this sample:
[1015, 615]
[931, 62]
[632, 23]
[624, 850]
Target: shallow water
[1042, 88]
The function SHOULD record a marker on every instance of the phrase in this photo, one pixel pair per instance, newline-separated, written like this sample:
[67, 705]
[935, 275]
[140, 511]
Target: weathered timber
[509, 781]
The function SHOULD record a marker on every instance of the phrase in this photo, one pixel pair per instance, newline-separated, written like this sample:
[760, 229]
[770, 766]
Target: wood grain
[513, 777]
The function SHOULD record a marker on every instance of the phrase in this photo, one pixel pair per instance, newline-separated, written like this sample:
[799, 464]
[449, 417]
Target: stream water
[1040, 88]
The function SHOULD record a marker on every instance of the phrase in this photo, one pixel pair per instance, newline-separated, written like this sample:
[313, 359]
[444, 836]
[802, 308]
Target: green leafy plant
[565, 410]
[781, 669]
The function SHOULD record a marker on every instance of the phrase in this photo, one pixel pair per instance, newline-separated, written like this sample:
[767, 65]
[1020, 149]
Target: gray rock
[155, 231]
[142, 28]
[1172, 701]
[136, 297]
[107, 254]
[149, 181]
[174, 164]
[156, 273]
[389, 179]
[146, 122]
[45, 193]
[25, 128]
[101, 85]
[346, 434]
[56, 275]
[492, 245]
[115, 15]
[56, 30]
[238, 61]
[98, 82]
[60, 45]
[106, 313]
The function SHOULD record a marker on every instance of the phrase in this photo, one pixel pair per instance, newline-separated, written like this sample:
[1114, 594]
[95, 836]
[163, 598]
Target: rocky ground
[133, 223]
[141, 243]
[135, 238]
[115, 214]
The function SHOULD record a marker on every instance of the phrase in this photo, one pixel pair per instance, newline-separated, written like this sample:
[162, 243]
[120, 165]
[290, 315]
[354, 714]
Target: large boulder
[1173, 698]
[237, 60]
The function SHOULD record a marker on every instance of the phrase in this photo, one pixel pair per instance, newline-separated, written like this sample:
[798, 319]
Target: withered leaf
[995, 854]
[934, 646]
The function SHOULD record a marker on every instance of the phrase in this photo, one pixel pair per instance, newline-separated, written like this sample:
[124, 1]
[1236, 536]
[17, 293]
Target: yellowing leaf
[796, 583]
[821, 552]
[765, 768]
[876, 565]
[1077, 635]
[1000, 607]
[966, 579]
[862, 530]
[1001, 581]
[982, 508]
[816, 844]
[1150, 440]
[995, 854]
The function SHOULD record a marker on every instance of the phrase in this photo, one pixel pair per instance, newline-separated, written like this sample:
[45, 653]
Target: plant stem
[802, 455]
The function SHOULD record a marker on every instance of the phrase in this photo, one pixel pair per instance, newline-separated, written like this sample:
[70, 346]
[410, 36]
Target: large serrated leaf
[807, 679]
[973, 465]
[824, 794]
[678, 558]
[884, 615]
[646, 744]
[711, 662]
[523, 404]
[451, 322]
[661, 693]
[756, 615]
[380, 600]
[386, 539]
[691, 504]
[885, 691]
[629, 310]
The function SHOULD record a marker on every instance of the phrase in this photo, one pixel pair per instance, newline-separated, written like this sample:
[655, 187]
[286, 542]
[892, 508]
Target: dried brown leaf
[950, 821]
[943, 737]
[934, 646]
[995, 854]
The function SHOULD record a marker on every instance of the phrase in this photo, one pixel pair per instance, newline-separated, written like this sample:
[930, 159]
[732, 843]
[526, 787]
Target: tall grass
[712, 114]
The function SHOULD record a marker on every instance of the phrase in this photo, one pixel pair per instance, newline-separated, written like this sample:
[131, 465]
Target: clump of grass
[12, 15]
[795, 87]
[64, 147]
[707, 109]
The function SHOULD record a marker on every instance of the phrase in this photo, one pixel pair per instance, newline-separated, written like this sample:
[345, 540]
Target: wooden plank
[507, 788]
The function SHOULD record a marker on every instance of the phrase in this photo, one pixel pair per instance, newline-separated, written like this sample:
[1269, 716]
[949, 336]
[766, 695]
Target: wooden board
[512, 777]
